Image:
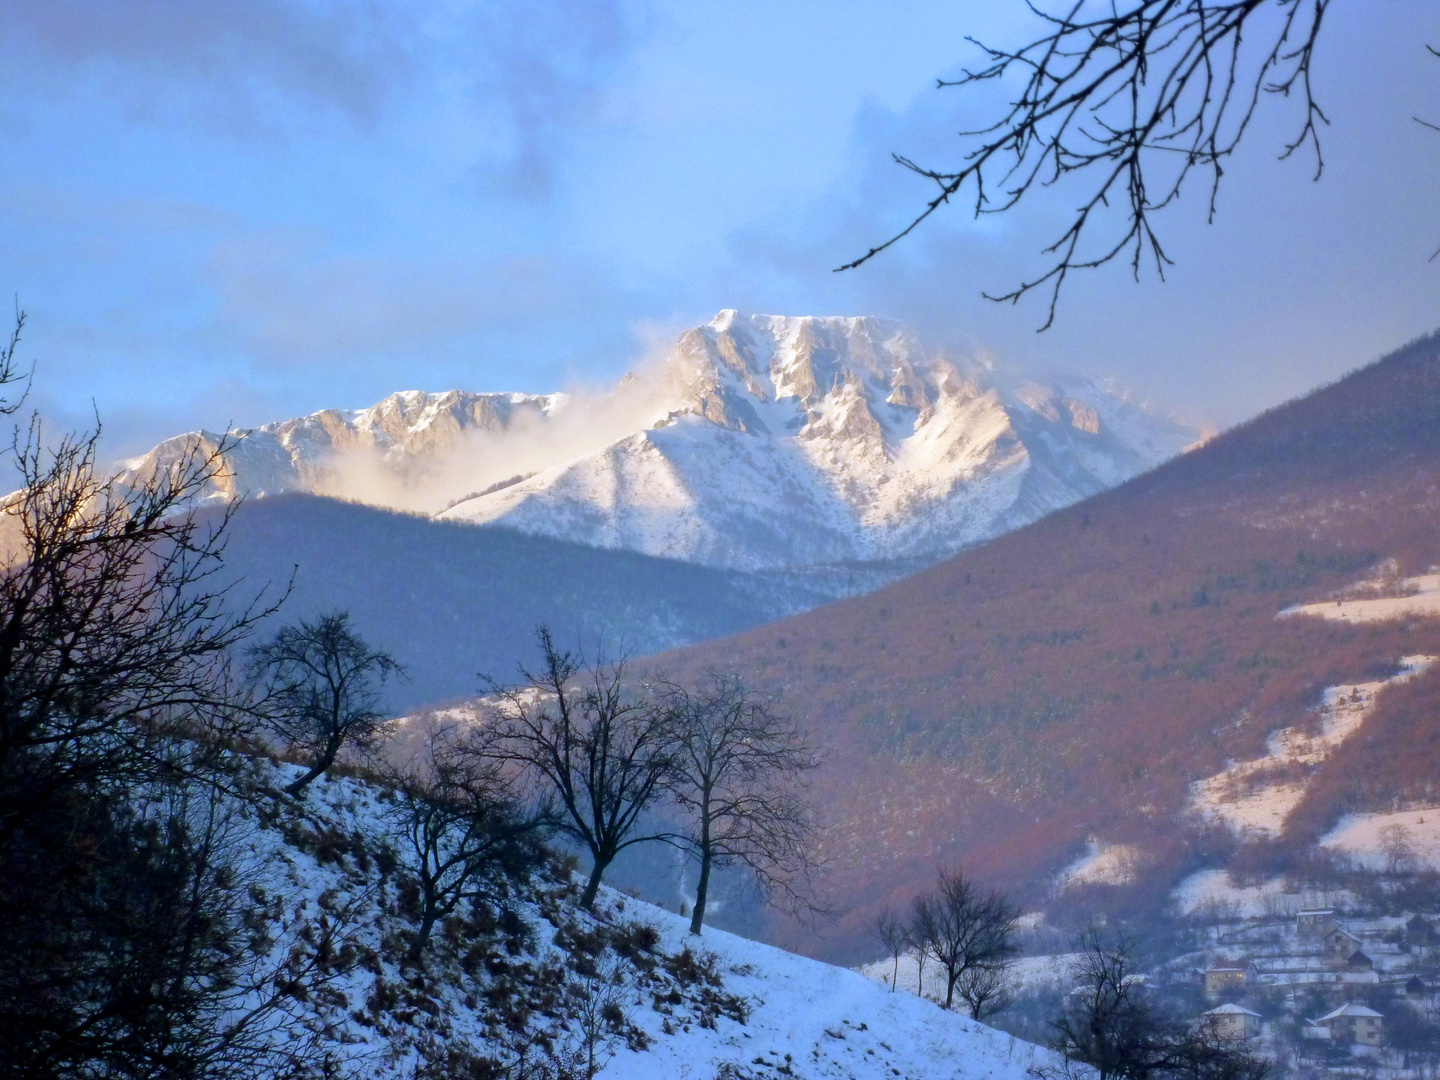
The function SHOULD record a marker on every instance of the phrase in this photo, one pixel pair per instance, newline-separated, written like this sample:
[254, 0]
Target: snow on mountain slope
[801, 441]
[1402, 840]
[1417, 597]
[1256, 796]
[397, 444]
[758, 442]
[716, 1006]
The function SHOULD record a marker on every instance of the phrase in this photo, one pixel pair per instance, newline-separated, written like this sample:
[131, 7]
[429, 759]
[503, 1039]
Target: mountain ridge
[760, 442]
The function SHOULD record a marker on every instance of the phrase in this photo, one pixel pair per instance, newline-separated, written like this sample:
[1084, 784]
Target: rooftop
[1351, 1009]
[1229, 1009]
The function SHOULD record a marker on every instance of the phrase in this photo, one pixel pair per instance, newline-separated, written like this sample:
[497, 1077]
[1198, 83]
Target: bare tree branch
[737, 775]
[594, 742]
[1137, 98]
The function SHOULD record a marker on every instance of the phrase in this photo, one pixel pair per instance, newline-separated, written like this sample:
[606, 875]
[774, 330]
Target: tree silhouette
[1129, 101]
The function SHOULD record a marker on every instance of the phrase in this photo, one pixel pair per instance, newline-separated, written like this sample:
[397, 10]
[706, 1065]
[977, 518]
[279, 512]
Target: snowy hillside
[495, 985]
[757, 442]
[815, 1020]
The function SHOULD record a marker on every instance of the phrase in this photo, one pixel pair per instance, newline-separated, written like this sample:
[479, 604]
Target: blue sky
[239, 212]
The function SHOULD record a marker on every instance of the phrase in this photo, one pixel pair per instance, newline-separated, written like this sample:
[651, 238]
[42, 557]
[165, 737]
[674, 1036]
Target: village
[1321, 990]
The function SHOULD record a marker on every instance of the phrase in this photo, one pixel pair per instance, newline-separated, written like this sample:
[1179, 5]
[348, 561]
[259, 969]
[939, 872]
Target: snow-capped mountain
[760, 441]
[399, 442]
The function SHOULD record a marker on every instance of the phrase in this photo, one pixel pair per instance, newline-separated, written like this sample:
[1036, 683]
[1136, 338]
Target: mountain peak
[759, 441]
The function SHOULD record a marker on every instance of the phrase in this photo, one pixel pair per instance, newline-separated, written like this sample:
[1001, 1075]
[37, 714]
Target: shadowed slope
[450, 600]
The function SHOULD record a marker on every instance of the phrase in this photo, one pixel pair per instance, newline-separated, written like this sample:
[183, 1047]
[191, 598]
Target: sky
[218, 213]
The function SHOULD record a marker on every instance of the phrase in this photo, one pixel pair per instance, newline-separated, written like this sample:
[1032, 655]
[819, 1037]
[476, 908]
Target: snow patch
[1102, 864]
[1027, 974]
[1213, 892]
[1256, 796]
[1406, 839]
[1420, 599]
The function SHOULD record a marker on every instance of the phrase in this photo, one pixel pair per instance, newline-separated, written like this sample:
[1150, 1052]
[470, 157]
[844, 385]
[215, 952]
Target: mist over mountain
[756, 442]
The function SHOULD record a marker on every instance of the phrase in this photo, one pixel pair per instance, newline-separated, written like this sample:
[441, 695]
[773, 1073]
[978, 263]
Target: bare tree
[465, 838]
[738, 768]
[323, 686]
[986, 989]
[127, 944]
[1397, 850]
[113, 640]
[889, 929]
[1112, 1030]
[596, 744]
[1134, 98]
[965, 928]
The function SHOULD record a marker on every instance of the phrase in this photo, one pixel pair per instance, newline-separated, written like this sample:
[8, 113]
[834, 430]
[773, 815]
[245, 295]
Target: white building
[1354, 1023]
[1230, 1021]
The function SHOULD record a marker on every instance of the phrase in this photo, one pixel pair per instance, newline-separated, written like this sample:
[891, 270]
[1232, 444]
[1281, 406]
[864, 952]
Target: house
[1358, 961]
[1227, 975]
[1313, 924]
[1415, 987]
[1338, 946]
[1313, 1029]
[1230, 1021]
[1355, 1023]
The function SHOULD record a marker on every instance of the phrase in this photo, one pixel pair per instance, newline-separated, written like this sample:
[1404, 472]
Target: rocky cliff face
[798, 441]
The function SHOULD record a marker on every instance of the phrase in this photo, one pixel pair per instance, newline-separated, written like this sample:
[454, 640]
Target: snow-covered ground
[1102, 864]
[1423, 601]
[815, 1020]
[1213, 891]
[1256, 796]
[805, 1019]
[1028, 973]
[1402, 840]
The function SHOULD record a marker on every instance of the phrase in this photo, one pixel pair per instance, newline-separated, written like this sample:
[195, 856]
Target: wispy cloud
[517, 76]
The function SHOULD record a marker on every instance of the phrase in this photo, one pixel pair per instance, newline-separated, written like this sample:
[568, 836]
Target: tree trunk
[321, 765]
[294, 789]
[951, 978]
[422, 935]
[697, 917]
[587, 898]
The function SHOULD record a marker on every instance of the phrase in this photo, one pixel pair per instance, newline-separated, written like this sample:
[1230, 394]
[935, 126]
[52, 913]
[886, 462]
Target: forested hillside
[1065, 685]
[452, 600]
